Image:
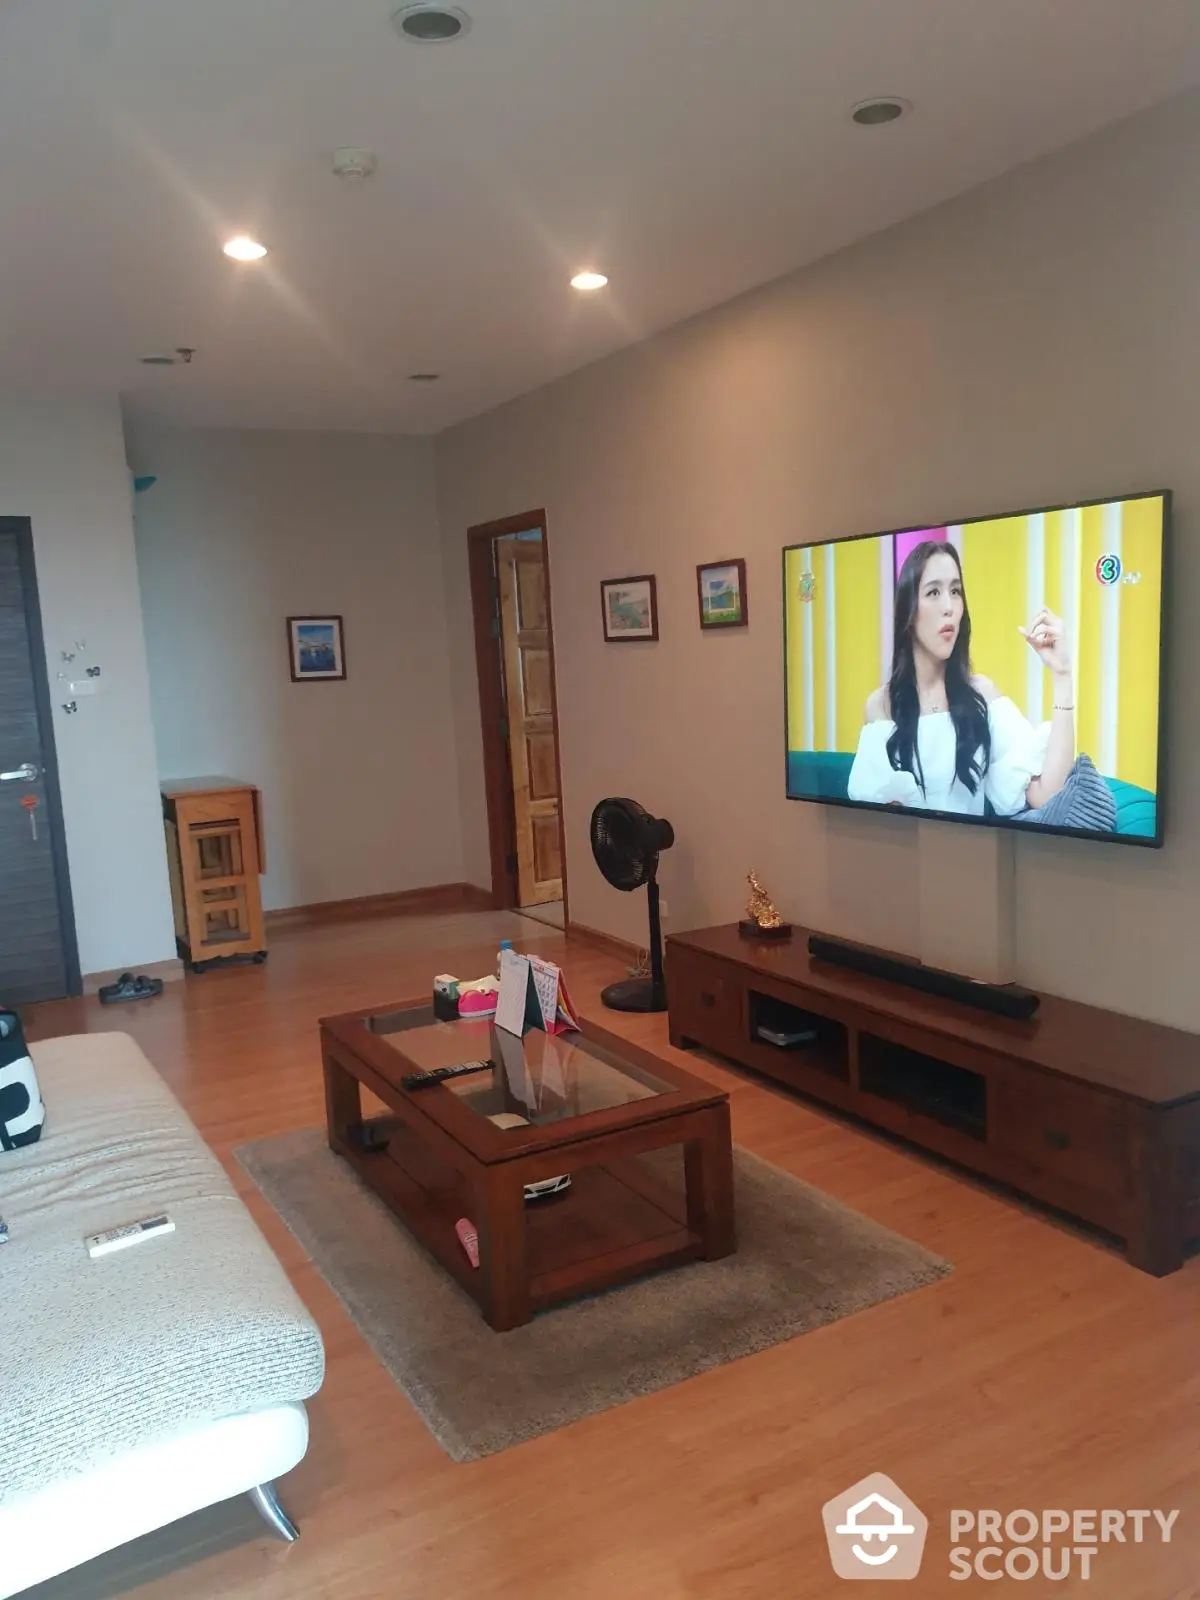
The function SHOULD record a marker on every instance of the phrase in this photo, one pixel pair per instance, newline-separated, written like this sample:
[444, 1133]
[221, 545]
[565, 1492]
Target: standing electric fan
[626, 841]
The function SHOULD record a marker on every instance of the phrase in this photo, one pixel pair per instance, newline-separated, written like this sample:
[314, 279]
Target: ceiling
[689, 148]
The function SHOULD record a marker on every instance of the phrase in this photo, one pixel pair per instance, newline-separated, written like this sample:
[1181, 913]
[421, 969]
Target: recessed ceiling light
[588, 282]
[243, 248]
[423, 377]
[879, 109]
[430, 24]
[157, 361]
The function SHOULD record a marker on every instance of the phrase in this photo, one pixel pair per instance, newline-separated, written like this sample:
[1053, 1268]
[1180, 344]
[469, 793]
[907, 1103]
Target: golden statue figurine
[762, 921]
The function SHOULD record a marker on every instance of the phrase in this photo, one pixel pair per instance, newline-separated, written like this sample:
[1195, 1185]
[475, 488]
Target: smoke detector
[426, 23]
[353, 165]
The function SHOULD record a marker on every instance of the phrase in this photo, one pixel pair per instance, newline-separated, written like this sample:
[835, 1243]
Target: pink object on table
[469, 1239]
[478, 1003]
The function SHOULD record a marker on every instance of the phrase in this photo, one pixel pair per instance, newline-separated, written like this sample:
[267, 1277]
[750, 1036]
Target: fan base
[634, 994]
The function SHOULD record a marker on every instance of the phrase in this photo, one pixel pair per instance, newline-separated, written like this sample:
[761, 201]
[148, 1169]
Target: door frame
[22, 529]
[489, 665]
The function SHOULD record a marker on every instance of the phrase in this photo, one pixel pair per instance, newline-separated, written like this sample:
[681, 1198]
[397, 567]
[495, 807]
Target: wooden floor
[1043, 1373]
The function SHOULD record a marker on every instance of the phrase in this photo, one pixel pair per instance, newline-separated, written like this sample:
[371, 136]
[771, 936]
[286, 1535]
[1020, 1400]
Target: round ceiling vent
[879, 109]
[430, 24]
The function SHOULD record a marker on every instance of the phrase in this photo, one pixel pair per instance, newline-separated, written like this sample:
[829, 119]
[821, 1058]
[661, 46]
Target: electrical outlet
[664, 909]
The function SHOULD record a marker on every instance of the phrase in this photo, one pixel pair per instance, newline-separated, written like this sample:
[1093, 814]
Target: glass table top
[539, 1079]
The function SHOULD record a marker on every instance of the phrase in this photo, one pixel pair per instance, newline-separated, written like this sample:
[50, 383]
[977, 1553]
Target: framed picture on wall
[315, 647]
[721, 589]
[630, 607]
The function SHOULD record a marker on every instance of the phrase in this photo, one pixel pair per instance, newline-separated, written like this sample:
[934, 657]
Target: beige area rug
[803, 1260]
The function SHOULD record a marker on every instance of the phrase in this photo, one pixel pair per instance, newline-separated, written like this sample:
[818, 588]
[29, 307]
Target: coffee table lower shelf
[616, 1222]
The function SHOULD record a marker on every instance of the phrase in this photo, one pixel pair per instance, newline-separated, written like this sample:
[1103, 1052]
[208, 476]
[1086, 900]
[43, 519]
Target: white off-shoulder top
[1018, 754]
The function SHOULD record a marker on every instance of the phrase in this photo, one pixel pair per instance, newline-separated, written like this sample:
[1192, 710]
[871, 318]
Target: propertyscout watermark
[875, 1531]
[1049, 1544]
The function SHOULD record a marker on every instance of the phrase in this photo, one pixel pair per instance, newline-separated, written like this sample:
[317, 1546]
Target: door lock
[26, 774]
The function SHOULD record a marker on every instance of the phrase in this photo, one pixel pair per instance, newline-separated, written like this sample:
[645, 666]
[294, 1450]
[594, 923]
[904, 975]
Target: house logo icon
[875, 1531]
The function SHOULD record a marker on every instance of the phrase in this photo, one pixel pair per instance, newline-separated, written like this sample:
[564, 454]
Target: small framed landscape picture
[721, 586]
[315, 646]
[630, 607]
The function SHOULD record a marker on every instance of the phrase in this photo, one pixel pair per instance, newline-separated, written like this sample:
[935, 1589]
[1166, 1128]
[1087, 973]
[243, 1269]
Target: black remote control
[418, 1080]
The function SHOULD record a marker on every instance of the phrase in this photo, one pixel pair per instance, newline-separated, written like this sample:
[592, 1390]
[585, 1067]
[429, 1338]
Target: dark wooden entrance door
[37, 938]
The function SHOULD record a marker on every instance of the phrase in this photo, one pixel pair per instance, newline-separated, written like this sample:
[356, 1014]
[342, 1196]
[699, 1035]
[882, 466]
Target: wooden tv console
[1089, 1111]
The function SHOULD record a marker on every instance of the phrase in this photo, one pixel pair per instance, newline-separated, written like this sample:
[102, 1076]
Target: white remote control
[103, 1244]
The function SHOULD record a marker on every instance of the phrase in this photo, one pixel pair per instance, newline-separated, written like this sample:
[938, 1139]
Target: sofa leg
[266, 1503]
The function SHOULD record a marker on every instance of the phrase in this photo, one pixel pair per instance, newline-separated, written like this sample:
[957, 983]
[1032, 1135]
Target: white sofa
[140, 1386]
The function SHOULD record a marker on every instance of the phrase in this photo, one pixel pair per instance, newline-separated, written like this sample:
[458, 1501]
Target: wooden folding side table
[215, 855]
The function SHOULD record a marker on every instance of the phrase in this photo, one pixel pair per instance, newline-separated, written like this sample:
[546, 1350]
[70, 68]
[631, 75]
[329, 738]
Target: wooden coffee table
[595, 1105]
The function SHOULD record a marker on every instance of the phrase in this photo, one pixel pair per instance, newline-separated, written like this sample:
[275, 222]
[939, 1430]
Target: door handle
[26, 774]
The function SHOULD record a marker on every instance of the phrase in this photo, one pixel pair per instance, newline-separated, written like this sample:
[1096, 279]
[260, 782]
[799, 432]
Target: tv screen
[1003, 670]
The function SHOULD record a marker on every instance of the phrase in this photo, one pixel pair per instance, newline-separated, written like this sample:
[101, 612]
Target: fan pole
[658, 988]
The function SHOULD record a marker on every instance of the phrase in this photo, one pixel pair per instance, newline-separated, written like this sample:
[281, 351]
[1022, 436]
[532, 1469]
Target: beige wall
[1030, 343]
[242, 529]
[62, 465]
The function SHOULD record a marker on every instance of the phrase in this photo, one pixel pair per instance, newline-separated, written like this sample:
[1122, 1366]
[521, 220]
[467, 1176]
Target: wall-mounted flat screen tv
[1003, 671]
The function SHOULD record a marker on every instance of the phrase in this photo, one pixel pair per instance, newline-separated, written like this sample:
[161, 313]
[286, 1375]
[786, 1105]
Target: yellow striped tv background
[839, 600]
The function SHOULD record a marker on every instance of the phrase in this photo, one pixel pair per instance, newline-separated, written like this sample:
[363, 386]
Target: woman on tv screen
[938, 737]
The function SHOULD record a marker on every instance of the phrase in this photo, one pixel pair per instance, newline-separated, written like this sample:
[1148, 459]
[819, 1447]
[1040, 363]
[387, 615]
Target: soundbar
[1002, 999]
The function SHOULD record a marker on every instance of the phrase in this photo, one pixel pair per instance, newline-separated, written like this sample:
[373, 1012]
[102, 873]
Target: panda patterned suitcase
[21, 1110]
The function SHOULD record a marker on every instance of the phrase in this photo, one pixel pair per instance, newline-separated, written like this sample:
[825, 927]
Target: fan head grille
[626, 841]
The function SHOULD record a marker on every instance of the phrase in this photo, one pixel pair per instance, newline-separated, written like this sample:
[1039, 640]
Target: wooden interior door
[532, 736]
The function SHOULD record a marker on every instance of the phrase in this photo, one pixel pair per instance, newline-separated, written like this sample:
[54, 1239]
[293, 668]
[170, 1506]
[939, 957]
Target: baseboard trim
[399, 902]
[168, 971]
[621, 948]
[477, 899]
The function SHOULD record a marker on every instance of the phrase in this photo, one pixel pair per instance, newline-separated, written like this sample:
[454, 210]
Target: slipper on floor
[127, 987]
